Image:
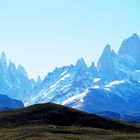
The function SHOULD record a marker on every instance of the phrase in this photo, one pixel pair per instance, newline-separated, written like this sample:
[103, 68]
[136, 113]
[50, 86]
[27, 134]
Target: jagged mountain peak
[21, 69]
[131, 47]
[107, 48]
[135, 36]
[105, 64]
[12, 69]
[92, 65]
[15, 82]
[93, 70]
[3, 59]
[107, 52]
[106, 55]
[81, 64]
[3, 55]
[3, 64]
[11, 64]
[39, 80]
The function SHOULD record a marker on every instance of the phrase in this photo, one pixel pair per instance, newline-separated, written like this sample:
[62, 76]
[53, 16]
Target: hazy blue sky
[44, 34]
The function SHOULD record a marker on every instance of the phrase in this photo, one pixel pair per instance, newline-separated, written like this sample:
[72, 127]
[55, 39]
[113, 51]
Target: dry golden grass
[51, 132]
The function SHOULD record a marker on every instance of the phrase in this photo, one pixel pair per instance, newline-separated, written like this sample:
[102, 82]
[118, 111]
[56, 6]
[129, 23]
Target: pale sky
[44, 34]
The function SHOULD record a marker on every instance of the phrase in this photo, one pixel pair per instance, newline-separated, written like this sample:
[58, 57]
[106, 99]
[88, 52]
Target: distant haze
[44, 34]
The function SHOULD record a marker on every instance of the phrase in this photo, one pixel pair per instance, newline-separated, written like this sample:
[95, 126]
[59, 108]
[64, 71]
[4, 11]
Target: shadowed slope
[58, 115]
[7, 103]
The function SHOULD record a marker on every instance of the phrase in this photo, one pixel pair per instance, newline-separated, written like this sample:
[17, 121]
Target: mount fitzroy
[112, 86]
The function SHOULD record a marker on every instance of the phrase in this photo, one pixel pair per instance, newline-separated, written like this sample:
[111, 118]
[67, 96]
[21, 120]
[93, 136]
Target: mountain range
[14, 81]
[111, 86]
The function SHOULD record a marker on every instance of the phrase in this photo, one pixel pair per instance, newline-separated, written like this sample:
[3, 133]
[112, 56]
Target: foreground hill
[55, 122]
[58, 115]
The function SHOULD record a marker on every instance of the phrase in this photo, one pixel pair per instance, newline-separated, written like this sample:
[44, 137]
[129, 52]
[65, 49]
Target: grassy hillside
[54, 122]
